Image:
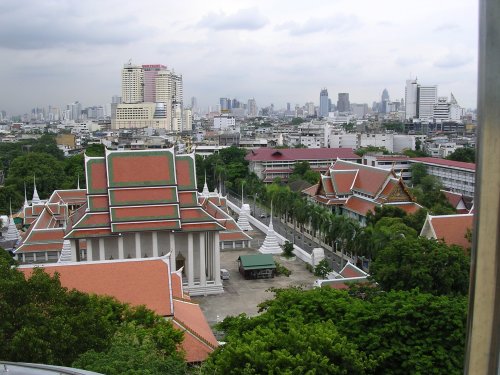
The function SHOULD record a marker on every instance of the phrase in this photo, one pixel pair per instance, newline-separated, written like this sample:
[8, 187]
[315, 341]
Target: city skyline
[276, 52]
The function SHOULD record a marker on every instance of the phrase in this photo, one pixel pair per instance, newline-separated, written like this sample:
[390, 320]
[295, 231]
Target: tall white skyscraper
[132, 84]
[411, 99]
[427, 99]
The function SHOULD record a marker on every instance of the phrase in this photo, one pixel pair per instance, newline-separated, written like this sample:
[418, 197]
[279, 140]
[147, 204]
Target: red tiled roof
[453, 198]
[342, 181]
[368, 180]
[452, 228]
[326, 181]
[359, 205]
[291, 154]
[311, 191]
[350, 270]
[446, 163]
[124, 280]
[190, 315]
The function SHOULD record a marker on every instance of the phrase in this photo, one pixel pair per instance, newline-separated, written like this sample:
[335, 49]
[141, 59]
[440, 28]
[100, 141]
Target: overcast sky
[53, 52]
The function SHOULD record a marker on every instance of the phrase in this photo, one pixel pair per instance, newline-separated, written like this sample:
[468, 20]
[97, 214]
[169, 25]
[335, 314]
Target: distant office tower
[115, 99]
[194, 105]
[252, 108]
[74, 111]
[187, 124]
[176, 88]
[427, 99]
[288, 107]
[343, 104]
[309, 107]
[384, 102]
[132, 84]
[150, 74]
[224, 104]
[323, 103]
[411, 99]
[442, 109]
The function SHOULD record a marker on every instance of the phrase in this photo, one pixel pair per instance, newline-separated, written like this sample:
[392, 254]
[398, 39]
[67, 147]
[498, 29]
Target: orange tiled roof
[359, 205]
[369, 180]
[452, 228]
[124, 280]
[343, 181]
[350, 270]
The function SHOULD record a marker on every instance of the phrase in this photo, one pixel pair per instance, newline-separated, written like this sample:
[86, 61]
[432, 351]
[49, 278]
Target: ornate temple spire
[36, 198]
[65, 252]
[26, 204]
[271, 245]
[205, 191]
[12, 234]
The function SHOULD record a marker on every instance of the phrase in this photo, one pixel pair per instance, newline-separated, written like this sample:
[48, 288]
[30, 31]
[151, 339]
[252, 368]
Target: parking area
[243, 296]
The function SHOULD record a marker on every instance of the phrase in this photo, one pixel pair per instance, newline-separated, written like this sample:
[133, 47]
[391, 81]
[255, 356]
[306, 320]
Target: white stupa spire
[271, 245]
[78, 182]
[36, 198]
[26, 204]
[243, 222]
[12, 235]
[65, 252]
[205, 191]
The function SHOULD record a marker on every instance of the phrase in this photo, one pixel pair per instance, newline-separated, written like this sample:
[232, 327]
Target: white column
[190, 261]
[102, 255]
[89, 250]
[203, 277]
[121, 254]
[137, 245]
[217, 259]
[154, 238]
[34, 257]
[73, 250]
[172, 251]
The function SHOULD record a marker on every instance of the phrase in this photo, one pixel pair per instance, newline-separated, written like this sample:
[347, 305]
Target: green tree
[364, 150]
[287, 249]
[48, 170]
[8, 195]
[137, 349]
[322, 269]
[95, 149]
[289, 349]
[47, 144]
[74, 169]
[297, 121]
[418, 172]
[384, 211]
[465, 154]
[397, 332]
[431, 266]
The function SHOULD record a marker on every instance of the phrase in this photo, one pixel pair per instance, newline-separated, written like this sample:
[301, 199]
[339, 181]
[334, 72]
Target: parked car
[224, 274]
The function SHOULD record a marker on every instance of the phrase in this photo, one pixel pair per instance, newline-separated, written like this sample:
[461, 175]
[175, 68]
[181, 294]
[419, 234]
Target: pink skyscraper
[150, 72]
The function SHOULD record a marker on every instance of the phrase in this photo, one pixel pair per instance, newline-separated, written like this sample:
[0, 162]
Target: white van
[224, 274]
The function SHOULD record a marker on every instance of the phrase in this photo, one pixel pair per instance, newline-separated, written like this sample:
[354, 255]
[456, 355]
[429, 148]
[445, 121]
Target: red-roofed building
[138, 204]
[146, 282]
[457, 201]
[451, 229]
[350, 274]
[268, 163]
[456, 176]
[354, 190]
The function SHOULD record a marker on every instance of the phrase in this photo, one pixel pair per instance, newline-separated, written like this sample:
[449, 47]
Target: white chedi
[65, 252]
[243, 222]
[271, 245]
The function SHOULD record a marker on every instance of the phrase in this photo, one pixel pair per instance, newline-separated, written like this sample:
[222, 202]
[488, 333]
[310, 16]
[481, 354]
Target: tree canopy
[361, 331]
[431, 266]
[463, 154]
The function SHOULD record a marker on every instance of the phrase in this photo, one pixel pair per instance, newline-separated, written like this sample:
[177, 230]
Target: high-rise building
[132, 84]
[323, 103]
[411, 98]
[427, 99]
[252, 108]
[225, 104]
[384, 102]
[150, 73]
[74, 111]
[343, 104]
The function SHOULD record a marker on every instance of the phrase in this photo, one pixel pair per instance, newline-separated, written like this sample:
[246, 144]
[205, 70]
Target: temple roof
[451, 229]
[161, 291]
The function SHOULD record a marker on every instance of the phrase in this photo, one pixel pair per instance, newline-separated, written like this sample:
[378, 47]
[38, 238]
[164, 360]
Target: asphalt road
[294, 236]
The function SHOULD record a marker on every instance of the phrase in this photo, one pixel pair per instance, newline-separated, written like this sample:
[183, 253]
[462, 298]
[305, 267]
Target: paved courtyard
[243, 296]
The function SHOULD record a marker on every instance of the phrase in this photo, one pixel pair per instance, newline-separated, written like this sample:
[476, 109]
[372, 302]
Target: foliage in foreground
[397, 332]
[42, 322]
